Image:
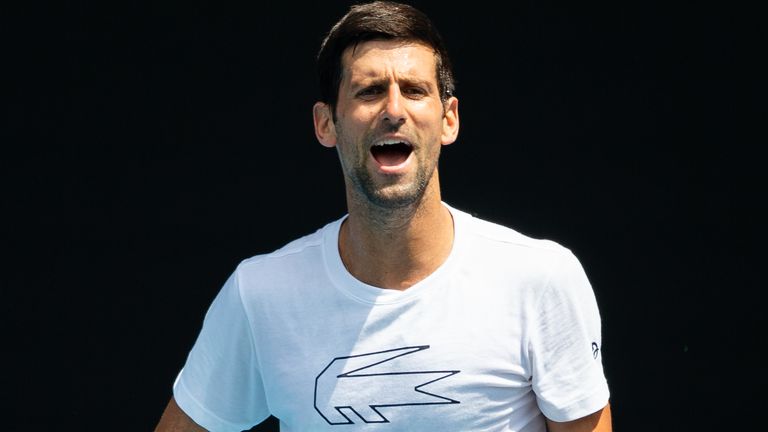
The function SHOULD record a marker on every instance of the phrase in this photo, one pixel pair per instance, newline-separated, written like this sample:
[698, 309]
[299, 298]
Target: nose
[393, 110]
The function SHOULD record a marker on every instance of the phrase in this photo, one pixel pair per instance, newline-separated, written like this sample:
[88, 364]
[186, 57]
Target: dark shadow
[269, 425]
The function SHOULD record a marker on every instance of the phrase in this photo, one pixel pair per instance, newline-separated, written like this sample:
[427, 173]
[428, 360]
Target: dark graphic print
[358, 386]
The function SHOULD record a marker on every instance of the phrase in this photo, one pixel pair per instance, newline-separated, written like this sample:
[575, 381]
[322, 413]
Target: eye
[369, 92]
[414, 92]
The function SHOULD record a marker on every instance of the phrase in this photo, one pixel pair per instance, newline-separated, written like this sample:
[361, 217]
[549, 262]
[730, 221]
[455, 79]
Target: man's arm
[175, 420]
[596, 422]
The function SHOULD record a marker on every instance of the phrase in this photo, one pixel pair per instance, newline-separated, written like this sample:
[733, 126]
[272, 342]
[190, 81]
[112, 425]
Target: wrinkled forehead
[379, 58]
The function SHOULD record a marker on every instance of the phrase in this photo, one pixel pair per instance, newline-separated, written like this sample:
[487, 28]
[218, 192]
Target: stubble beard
[390, 196]
[393, 195]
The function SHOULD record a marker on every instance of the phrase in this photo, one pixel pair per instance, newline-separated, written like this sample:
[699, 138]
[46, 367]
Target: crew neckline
[369, 294]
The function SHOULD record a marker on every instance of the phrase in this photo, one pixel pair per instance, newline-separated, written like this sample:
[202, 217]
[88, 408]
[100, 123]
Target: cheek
[354, 123]
[431, 112]
[431, 124]
[356, 111]
[363, 115]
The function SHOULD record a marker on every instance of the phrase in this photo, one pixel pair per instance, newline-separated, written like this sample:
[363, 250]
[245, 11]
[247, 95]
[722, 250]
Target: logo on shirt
[358, 387]
[595, 349]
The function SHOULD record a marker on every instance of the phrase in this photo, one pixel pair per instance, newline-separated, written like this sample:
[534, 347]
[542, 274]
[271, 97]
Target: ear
[450, 121]
[325, 130]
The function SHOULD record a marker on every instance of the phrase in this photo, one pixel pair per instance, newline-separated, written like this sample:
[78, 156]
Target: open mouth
[391, 153]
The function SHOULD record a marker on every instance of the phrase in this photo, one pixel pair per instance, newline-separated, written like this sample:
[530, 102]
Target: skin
[397, 232]
[599, 421]
[175, 420]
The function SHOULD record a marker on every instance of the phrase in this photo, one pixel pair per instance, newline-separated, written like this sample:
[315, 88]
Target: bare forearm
[175, 420]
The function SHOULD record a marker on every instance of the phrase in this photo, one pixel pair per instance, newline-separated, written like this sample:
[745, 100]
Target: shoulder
[294, 262]
[497, 249]
[295, 249]
[486, 234]
[299, 248]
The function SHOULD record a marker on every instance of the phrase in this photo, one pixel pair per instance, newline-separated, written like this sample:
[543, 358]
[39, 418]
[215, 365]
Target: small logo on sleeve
[595, 350]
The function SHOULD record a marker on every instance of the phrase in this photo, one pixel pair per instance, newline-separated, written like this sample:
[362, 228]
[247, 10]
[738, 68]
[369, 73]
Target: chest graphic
[364, 387]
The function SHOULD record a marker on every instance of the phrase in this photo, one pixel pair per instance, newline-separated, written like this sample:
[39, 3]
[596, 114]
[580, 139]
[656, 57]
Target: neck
[396, 248]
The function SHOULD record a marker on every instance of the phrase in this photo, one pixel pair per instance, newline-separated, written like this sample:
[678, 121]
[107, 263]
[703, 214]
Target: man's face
[390, 121]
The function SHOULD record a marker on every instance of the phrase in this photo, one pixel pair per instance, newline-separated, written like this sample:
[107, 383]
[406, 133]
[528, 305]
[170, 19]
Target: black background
[148, 147]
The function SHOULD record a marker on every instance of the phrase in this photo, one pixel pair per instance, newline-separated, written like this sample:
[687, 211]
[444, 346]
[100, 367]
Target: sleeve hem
[578, 409]
[201, 415]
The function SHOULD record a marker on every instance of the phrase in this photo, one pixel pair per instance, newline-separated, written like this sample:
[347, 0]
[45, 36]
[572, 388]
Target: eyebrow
[384, 81]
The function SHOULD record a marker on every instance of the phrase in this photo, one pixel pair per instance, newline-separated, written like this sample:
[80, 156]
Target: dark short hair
[379, 20]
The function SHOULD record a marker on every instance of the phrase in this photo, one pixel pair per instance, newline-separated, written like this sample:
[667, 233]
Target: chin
[396, 199]
[402, 193]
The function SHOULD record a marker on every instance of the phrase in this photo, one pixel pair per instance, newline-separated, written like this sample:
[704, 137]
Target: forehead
[379, 58]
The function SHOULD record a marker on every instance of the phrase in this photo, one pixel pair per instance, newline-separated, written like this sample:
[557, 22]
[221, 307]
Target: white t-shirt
[505, 329]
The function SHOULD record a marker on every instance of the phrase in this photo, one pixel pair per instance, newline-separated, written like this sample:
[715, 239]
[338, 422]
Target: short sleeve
[564, 345]
[220, 385]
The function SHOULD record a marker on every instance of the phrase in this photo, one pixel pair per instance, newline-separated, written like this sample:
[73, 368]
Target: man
[407, 314]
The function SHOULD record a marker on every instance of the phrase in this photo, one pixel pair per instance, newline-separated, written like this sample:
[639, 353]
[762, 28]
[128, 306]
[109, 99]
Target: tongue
[391, 155]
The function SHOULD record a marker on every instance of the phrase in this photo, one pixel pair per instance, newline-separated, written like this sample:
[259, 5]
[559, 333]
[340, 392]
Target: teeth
[391, 142]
